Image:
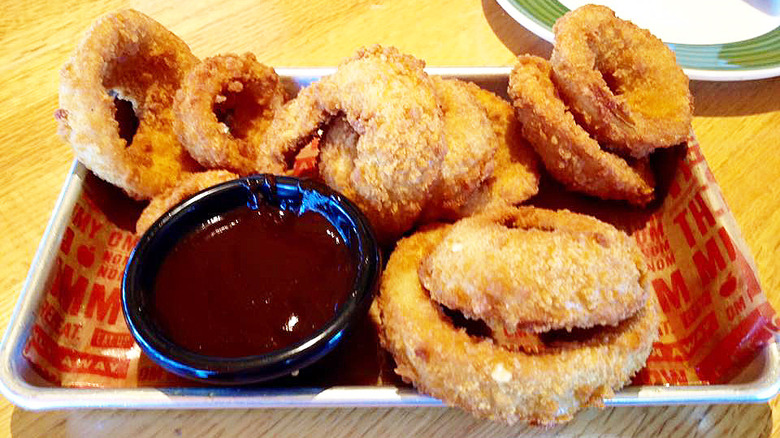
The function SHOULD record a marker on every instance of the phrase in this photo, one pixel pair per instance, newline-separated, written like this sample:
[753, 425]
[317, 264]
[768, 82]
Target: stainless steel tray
[757, 383]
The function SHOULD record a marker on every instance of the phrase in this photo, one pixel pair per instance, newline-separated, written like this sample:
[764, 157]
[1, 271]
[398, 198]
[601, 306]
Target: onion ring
[128, 55]
[224, 107]
[622, 83]
[557, 270]
[566, 149]
[388, 99]
[486, 379]
[188, 186]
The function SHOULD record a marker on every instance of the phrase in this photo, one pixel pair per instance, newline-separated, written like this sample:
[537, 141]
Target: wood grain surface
[738, 126]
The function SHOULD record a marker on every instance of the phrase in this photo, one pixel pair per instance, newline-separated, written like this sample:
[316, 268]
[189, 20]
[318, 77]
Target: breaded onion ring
[128, 55]
[515, 175]
[388, 99]
[531, 269]
[622, 83]
[224, 107]
[338, 151]
[486, 379]
[188, 186]
[567, 151]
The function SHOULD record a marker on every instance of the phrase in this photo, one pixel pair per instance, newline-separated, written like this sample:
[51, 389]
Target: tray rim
[28, 396]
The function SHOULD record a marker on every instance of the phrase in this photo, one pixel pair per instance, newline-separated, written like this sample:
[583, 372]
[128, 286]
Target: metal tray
[757, 383]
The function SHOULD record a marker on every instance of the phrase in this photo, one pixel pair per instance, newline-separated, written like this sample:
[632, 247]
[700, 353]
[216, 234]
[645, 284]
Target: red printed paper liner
[715, 316]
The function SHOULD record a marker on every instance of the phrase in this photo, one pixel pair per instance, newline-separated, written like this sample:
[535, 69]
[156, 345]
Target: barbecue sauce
[251, 281]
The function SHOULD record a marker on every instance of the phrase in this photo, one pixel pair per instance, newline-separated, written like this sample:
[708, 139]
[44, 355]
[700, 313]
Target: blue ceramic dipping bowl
[286, 193]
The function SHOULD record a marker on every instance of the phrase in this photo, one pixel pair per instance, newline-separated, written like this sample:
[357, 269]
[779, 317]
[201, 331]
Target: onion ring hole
[551, 339]
[612, 82]
[237, 110]
[125, 117]
[474, 327]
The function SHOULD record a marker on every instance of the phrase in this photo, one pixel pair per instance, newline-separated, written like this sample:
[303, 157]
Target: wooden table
[738, 125]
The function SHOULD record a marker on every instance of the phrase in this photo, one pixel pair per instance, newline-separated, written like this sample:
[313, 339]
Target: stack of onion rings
[488, 164]
[409, 148]
[568, 152]
[491, 380]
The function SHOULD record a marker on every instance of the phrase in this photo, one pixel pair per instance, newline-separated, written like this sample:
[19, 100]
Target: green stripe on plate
[544, 12]
[760, 52]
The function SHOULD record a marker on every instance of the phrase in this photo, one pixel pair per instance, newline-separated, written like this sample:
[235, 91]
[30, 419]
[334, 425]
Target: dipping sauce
[251, 281]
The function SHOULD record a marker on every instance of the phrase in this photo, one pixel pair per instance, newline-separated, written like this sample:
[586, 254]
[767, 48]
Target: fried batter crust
[515, 175]
[337, 162]
[471, 147]
[531, 269]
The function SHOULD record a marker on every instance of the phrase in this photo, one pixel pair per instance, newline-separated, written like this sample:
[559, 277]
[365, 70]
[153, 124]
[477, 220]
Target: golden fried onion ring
[531, 269]
[622, 82]
[128, 55]
[567, 150]
[224, 107]
[388, 99]
[488, 380]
